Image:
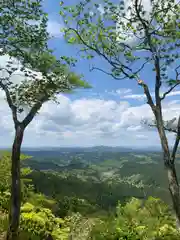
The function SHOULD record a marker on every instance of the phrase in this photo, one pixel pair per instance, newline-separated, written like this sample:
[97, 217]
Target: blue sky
[100, 81]
[108, 114]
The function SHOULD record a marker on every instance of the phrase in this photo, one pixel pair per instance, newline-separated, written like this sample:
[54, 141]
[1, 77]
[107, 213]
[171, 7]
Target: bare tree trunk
[15, 201]
[171, 169]
[174, 190]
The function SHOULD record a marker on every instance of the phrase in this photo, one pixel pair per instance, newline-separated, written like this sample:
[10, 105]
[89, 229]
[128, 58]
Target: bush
[40, 222]
[138, 220]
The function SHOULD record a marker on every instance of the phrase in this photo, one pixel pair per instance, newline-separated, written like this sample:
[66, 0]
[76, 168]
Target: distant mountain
[91, 149]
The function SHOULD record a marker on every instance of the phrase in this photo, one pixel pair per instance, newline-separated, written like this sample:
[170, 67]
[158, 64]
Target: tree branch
[112, 63]
[171, 88]
[110, 74]
[34, 111]
[165, 128]
[148, 95]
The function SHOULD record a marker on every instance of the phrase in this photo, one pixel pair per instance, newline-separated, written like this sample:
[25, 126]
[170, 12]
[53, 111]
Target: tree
[131, 39]
[23, 40]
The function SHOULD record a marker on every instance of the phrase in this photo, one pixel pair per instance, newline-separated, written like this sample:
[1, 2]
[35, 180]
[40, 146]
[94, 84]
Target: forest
[98, 192]
[78, 199]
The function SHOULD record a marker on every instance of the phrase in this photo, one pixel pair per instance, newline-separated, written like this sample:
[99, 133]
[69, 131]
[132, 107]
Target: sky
[110, 113]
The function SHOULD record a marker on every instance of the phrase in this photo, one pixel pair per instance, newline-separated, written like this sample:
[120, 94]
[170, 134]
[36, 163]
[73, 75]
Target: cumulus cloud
[86, 122]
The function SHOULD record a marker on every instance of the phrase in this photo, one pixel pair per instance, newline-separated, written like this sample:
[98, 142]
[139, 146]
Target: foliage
[68, 205]
[83, 191]
[39, 199]
[133, 38]
[23, 28]
[80, 227]
[33, 216]
[119, 32]
[3, 223]
[135, 219]
[5, 179]
[42, 76]
[138, 220]
[5, 170]
[41, 222]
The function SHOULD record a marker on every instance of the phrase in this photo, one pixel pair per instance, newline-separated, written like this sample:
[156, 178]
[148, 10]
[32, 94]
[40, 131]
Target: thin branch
[166, 93]
[165, 128]
[173, 155]
[142, 67]
[110, 74]
[177, 73]
[177, 83]
[112, 63]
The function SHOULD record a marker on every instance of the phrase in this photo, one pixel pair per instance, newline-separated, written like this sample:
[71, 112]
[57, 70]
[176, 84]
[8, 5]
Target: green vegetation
[80, 204]
[136, 220]
[24, 41]
[118, 34]
[99, 195]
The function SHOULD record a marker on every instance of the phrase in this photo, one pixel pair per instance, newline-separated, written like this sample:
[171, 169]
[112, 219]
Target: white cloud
[134, 128]
[54, 28]
[119, 92]
[174, 93]
[141, 97]
[86, 122]
[123, 91]
[141, 136]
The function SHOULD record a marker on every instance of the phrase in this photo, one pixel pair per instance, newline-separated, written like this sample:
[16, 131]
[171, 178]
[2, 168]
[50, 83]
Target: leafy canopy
[128, 37]
[31, 74]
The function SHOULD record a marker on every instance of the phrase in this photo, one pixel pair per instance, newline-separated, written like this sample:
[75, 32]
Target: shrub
[41, 222]
[138, 220]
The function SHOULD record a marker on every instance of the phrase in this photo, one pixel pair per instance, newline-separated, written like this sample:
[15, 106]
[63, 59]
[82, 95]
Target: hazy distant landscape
[137, 173]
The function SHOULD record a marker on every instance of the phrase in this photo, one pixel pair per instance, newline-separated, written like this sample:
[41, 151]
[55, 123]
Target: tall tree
[133, 37]
[29, 77]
